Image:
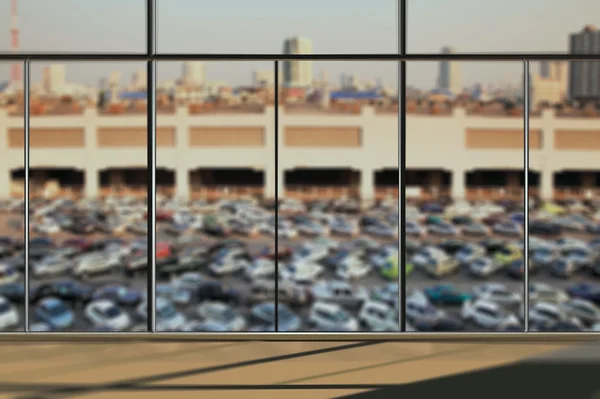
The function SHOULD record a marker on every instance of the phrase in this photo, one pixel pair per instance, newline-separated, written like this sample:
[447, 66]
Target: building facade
[459, 154]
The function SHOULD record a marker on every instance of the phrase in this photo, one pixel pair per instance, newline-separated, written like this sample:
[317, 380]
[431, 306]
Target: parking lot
[56, 255]
[216, 272]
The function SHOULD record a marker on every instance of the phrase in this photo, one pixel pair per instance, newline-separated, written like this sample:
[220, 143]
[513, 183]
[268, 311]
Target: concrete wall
[432, 142]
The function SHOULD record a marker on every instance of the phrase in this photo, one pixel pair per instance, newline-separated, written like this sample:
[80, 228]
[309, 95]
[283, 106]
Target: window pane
[338, 176]
[262, 26]
[88, 185]
[12, 190]
[564, 141]
[471, 26]
[75, 26]
[215, 171]
[464, 196]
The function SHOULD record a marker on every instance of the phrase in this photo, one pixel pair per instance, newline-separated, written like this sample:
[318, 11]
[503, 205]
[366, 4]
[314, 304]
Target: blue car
[518, 217]
[119, 294]
[287, 320]
[55, 313]
[446, 294]
[588, 291]
[432, 208]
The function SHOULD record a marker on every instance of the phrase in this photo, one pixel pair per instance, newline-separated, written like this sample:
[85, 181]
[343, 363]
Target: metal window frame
[151, 57]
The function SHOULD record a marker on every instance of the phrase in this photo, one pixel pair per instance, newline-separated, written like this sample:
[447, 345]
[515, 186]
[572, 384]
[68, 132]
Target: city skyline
[252, 35]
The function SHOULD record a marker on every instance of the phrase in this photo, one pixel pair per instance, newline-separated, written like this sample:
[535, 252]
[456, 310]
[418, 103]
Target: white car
[487, 314]
[412, 228]
[498, 293]
[377, 316]
[221, 313]
[167, 317]
[542, 292]
[312, 228]
[285, 229]
[331, 317]
[352, 268]
[51, 266]
[303, 272]
[189, 281]
[228, 265]
[104, 313]
[419, 308]
[340, 292]
[583, 309]
[484, 267]
[8, 274]
[443, 229]
[96, 263]
[310, 252]
[9, 317]
[427, 256]
[47, 226]
[546, 314]
[260, 268]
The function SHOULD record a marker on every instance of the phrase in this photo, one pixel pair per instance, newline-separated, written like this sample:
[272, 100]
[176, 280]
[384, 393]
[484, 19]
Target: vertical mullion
[151, 27]
[151, 193]
[276, 121]
[151, 162]
[26, 85]
[402, 193]
[401, 26]
[526, 195]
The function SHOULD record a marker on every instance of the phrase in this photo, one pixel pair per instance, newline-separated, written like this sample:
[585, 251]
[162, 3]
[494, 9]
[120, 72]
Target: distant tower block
[16, 69]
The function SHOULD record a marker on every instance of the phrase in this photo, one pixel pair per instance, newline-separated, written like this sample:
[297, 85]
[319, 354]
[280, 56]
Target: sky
[334, 26]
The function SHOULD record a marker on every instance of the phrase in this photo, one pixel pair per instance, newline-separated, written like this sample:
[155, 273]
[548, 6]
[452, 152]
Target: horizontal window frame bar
[537, 337]
[61, 56]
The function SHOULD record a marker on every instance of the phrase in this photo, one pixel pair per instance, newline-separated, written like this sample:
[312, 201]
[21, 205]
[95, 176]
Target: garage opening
[311, 184]
[427, 184]
[216, 183]
[124, 182]
[51, 182]
[576, 184]
[17, 183]
[495, 184]
[165, 182]
[387, 184]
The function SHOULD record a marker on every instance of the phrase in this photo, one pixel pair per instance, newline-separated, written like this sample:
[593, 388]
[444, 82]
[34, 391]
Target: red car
[161, 215]
[80, 243]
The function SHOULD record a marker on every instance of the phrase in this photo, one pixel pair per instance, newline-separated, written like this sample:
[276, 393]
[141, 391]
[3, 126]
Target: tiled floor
[238, 369]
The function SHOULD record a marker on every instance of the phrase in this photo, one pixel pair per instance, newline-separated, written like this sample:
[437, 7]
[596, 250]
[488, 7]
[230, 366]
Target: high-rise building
[139, 81]
[263, 78]
[550, 85]
[114, 79]
[297, 73]
[584, 76]
[450, 76]
[193, 73]
[54, 78]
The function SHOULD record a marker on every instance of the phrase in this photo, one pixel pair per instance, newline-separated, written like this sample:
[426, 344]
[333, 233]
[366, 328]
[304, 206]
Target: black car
[544, 228]
[442, 324]
[216, 291]
[38, 253]
[561, 326]
[451, 247]
[16, 262]
[70, 291]
[14, 292]
[41, 242]
[492, 245]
